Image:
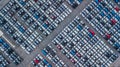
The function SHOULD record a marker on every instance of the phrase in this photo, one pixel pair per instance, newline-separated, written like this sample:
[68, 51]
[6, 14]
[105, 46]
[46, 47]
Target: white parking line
[8, 41]
[1, 33]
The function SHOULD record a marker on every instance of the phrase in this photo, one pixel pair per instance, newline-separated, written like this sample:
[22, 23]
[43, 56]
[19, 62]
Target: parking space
[50, 53]
[9, 53]
[74, 3]
[33, 24]
[78, 49]
[39, 61]
[104, 18]
[52, 33]
[3, 61]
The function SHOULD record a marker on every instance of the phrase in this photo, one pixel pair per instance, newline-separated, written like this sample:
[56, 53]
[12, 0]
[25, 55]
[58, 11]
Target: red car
[117, 8]
[113, 21]
[92, 32]
[36, 61]
[107, 36]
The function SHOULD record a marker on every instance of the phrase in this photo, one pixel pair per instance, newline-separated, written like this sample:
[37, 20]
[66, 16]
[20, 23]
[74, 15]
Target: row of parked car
[29, 22]
[3, 61]
[82, 46]
[104, 16]
[9, 52]
[39, 61]
[50, 53]
[74, 3]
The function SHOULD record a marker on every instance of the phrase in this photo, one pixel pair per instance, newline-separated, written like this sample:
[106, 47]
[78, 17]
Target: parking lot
[34, 32]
